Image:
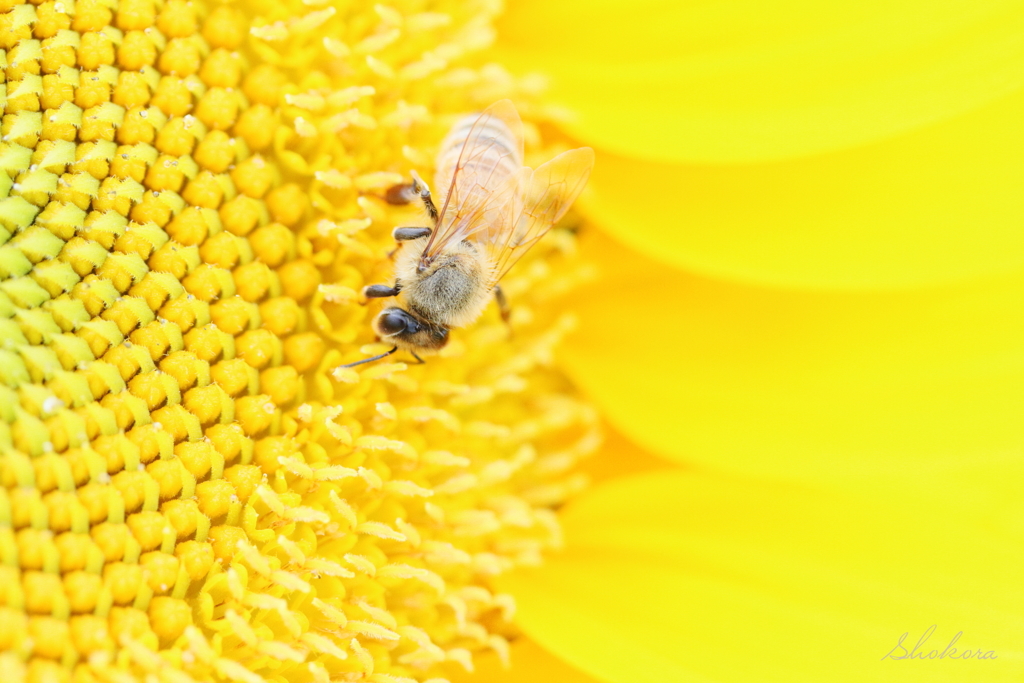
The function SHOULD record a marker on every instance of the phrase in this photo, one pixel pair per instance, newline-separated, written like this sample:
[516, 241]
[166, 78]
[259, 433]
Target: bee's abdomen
[494, 153]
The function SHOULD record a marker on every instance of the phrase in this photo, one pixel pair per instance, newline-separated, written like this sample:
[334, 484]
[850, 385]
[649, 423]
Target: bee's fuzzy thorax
[452, 290]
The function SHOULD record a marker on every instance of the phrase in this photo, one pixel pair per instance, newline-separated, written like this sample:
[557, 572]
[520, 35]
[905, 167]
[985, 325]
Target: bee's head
[402, 328]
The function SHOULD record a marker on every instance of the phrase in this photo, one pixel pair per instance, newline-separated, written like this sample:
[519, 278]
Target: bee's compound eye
[391, 323]
[395, 321]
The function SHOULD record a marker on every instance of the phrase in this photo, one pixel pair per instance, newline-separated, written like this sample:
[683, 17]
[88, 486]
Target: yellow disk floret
[192, 489]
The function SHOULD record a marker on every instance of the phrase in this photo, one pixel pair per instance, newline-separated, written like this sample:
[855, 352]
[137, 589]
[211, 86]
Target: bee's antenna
[369, 360]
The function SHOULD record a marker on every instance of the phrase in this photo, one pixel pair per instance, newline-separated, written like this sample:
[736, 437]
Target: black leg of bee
[380, 291]
[417, 357]
[421, 187]
[371, 359]
[404, 234]
[499, 296]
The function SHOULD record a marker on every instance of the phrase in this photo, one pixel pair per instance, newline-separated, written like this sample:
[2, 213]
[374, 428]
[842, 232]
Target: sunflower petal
[690, 577]
[805, 385]
[741, 80]
[528, 661]
[937, 205]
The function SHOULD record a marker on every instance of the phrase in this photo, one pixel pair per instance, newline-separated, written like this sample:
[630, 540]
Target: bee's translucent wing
[481, 179]
[500, 120]
[543, 196]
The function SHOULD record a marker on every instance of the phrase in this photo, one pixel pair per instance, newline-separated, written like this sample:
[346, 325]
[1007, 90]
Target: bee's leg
[419, 186]
[406, 234]
[499, 296]
[405, 193]
[380, 291]
[417, 357]
[371, 359]
[401, 194]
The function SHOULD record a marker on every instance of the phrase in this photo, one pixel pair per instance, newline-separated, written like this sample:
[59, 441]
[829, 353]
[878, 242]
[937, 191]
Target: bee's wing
[481, 179]
[542, 197]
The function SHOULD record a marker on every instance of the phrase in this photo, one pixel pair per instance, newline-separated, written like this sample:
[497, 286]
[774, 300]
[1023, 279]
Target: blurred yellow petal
[807, 385]
[621, 457]
[940, 204]
[743, 80]
[688, 577]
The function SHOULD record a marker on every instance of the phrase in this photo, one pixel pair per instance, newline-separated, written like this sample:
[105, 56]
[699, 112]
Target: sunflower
[822, 366]
[195, 489]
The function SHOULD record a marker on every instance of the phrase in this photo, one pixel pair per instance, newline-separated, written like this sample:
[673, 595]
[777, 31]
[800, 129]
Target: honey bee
[492, 211]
